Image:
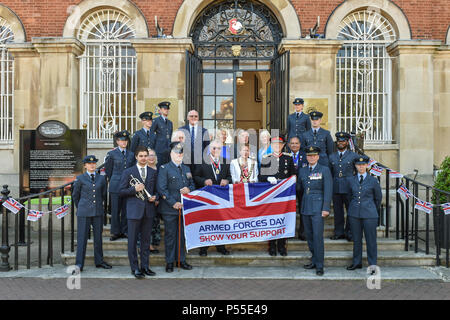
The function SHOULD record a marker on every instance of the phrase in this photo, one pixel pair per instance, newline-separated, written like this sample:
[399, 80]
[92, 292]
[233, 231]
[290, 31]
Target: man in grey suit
[162, 128]
[316, 184]
[174, 179]
[140, 210]
[89, 192]
[298, 122]
[366, 196]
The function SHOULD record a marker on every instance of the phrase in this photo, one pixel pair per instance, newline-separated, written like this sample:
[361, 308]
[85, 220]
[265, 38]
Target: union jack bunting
[12, 205]
[237, 213]
[446, 207]
[423, 206]
[404, 192]
[372, 162]
[62, 211]
[34, 215]
[394, 174]
[376, 171]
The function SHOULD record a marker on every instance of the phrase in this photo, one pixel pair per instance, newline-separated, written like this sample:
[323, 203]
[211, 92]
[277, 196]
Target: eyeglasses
[215, 148]
[193, 116]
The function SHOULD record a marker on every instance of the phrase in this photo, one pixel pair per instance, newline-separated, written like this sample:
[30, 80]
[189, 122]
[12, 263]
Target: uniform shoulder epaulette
[267, 155]
[288, 154]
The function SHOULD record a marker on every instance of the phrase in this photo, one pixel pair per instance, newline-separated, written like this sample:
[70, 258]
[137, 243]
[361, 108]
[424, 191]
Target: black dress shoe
[154, 251]
[353, 267]
[103, 265]
[302, 237]
[148, 272]
[349, 239]
[309, 266]
[115, 237]
[272, 252]
[138, 274]
[124, 235]
[224, 251]
[169, 267]
[203, 253]
[185, 266]
[335, 237]
[75, 270]
[283, 253]
[319, 272]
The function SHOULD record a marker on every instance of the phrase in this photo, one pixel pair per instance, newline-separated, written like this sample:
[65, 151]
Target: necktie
[192, 136]
[92, 177]
[298, 115]
[148, 134]
[340, 155]
[361, 179]
[123, 152]
[143, 174]
[310, 169]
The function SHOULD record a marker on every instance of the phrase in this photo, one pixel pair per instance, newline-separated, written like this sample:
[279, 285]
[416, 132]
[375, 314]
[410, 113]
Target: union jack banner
[404, 192]
[372, 162]
[62, 211]
[12, 205]
[423, 206]
[394, 174]
[446, 207]
[34, 215]
[238, 213]
[376, 171]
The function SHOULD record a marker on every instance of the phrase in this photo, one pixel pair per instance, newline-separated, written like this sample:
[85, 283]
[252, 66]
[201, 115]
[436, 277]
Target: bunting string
[34, 215]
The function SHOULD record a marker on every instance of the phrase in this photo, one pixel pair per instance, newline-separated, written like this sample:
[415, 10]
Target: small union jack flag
[34, 215]
[446, 207]
[423, 206]
[372, 162]
[404, 192]
[395, 174]
[12, 205]
[62, 211]
[376, 171]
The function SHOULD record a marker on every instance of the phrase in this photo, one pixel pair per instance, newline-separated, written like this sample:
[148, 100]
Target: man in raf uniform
[116, 162]
[298, 122]
[276, 166]
[341, 166]
[174, 179]
[318, 137]
[89, 192]
[365, 199]
[162, 128]
[135, 182]
[299, 159]
[316, 183]
[213, 172]
[143, 137]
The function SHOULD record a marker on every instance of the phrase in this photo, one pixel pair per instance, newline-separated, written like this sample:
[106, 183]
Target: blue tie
[192, 136]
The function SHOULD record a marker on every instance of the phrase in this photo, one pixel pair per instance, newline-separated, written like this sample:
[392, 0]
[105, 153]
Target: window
[107, 75]
[363, 77]
[6, 84]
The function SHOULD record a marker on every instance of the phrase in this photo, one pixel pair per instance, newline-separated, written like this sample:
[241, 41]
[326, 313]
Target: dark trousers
[280, 244]
[314, 236]
[144, 228]
[301, 227]
[171, 238]
[118, 215]
[369, 226]
[218, 248]
[83, 227]
[339, 201]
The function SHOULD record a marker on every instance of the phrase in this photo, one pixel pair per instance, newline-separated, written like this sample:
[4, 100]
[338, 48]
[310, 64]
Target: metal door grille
[6, 84]
[363, 77]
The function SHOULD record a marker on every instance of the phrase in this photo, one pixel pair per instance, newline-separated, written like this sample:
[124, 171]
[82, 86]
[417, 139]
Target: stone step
[262, 259]
[293, 244]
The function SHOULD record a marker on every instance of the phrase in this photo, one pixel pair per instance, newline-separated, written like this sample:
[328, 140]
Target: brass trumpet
[134, 182]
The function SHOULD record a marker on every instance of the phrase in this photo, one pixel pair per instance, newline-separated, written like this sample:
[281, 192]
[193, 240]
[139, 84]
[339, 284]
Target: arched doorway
[236, 78]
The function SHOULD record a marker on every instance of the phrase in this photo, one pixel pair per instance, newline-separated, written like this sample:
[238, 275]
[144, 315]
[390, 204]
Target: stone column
[312, 75]
[412, 95]
[161, 75]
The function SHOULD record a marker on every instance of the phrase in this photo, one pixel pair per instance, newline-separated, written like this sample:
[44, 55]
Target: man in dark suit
[174, 179]
[213, 172]
[298, 122]
[366, 196]
[318, 137]
[316, 183]
[143, 137]
[89, 192]
[197, 140]
[342, 166]
[299, 159]
[138, 187]
[162, 128]
[116, 162]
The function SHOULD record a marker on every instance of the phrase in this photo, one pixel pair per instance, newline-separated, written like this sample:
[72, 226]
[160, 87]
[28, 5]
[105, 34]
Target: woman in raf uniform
[365, 195]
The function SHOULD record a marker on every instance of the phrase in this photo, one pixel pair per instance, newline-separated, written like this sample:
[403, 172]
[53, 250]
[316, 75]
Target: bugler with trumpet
[139, 194]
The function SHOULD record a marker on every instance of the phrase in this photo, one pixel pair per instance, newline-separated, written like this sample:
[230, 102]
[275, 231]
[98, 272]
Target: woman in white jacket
[244, 169]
